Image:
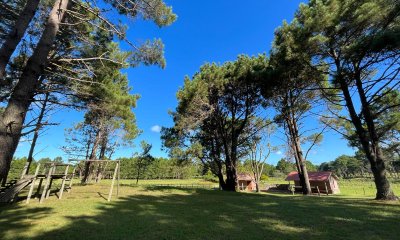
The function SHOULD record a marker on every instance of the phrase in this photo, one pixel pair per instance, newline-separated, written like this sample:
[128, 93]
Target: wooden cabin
[246, 182]
[327, 182]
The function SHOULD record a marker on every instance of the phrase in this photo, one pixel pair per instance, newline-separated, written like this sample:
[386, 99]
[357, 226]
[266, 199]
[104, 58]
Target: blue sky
[206, 31]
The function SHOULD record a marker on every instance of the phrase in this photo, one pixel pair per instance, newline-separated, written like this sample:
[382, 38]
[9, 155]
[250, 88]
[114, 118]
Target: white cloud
[156, 128]
[279, 152]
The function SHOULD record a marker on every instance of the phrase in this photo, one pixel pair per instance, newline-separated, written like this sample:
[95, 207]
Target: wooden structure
[321, 182]
[47, 173]
[11, 190]
[115, 175]
[50, 172]
[246, 182]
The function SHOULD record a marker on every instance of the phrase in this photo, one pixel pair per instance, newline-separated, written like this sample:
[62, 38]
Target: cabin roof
[313, 176]
[244, 177]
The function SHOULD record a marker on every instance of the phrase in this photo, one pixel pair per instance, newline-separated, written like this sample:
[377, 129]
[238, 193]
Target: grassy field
[146, 212]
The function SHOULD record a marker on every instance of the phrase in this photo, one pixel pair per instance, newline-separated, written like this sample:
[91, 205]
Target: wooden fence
[187, 186]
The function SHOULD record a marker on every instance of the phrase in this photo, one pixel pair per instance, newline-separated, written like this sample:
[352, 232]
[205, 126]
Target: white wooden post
[112, 182]
[33, 184]
[70, 181]
[63, 182]
[46, 185]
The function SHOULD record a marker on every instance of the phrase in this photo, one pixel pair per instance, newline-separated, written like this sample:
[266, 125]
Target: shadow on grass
[18, 218]
[203, 214]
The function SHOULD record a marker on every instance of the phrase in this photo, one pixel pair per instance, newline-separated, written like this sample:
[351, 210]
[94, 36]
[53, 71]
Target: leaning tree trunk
[17, 32]
[368, 140]
[221, 181]
[13, 117]
[87, 173]
[300, 161]
[36, 135]
[102, 154]
[376, 157]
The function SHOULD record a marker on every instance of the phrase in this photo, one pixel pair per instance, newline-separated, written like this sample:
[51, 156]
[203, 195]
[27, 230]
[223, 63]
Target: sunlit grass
[145, 212]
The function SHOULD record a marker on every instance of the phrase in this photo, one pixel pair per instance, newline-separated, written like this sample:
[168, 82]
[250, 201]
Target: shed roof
[313, 176]
[244, 177]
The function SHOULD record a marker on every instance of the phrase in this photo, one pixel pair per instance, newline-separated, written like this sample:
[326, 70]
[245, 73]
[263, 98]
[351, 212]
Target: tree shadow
[18, 218]
[170, 213]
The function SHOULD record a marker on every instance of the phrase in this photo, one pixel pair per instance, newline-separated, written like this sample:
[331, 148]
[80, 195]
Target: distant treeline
[168, 168]
[343, 166]
[159, 168]
[346, 166]
[17, 165]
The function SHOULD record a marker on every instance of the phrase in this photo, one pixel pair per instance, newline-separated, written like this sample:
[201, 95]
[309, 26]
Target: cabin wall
[334, 185]
[331, 186]
[247, 185]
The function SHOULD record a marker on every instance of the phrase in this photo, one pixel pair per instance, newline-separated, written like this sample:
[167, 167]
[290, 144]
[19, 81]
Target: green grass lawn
[145, 212]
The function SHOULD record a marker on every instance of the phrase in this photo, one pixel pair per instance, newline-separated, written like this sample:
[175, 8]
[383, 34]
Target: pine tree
[358, 41]
[57, 56]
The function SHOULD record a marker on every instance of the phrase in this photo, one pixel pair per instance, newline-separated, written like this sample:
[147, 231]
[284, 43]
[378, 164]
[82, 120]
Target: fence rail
[188, 186]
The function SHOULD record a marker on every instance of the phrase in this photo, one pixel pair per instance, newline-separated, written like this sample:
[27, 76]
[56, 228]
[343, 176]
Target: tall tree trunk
[231, 176]
[36, 134]
[138, 174]
[257, 168]
[103, 148]
[297, 163]
[96, 142]
[17, 32]
[13, 117]
[375, 154]
[368, 139]
[300, 161]
[221, 181]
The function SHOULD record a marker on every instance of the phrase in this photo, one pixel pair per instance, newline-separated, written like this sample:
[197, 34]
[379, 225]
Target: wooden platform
[11, 192]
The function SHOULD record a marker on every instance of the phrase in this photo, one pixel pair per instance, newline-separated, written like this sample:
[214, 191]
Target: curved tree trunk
[300, 161]
[368, 140]
[14, 37]
[221, 181]
[36, 135]
[87, 173]
[13, 117]
[103, 148]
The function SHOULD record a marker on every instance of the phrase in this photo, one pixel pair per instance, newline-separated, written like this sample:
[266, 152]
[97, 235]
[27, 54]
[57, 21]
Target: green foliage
[346, 167]
[358, 41]
[155, 10]
[9, 10]
[218, 107]
[158, 168]
[18, 164]
[16, 167]
[285, 166]
[109, 121]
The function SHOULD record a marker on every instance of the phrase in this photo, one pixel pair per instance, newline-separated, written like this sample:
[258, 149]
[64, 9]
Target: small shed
[327, 182]
[246, 182]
